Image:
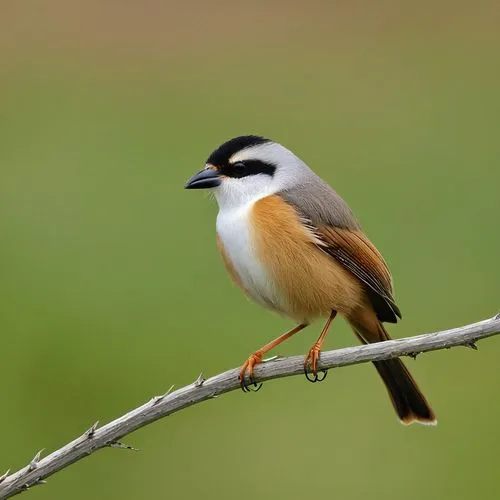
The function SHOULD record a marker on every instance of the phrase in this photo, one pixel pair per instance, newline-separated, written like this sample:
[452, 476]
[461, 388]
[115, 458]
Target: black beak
[206, 178]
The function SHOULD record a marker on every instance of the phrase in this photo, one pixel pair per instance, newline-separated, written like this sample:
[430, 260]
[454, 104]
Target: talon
[243, 384]
[249, 365]
[312, 379]
[256, 386]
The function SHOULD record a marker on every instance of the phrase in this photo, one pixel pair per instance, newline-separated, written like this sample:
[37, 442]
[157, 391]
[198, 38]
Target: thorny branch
[202, 389]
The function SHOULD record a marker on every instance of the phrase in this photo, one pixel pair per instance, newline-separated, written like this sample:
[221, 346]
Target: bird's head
[247, 168]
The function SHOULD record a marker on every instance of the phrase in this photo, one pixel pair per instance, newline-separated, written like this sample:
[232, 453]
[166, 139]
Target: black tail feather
[407, 399]
[409, 403]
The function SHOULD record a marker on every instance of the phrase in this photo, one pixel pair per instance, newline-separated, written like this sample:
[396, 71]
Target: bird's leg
[256, 358]
[311, 361]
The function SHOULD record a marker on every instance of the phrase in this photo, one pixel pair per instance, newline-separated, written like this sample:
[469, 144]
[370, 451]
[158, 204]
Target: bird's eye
[239, 165]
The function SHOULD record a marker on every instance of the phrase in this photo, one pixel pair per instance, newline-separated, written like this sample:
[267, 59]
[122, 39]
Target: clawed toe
[311, 366]
[252, 385]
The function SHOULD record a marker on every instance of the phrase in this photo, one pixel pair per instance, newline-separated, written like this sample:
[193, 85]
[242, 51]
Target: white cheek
[239, 192]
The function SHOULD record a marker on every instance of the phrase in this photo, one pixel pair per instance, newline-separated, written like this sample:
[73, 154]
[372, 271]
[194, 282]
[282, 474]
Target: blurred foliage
[111, 286]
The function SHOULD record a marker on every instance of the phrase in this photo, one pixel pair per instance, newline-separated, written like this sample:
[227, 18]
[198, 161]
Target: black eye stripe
[248, 167]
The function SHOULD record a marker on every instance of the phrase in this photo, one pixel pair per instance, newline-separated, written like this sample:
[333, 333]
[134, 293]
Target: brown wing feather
[357, 254]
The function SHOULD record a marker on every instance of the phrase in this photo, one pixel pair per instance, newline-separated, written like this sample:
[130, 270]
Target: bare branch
[201, 390]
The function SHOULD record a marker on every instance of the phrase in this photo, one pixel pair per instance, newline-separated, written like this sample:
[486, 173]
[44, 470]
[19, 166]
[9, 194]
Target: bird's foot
[311, 365]
[249, 365]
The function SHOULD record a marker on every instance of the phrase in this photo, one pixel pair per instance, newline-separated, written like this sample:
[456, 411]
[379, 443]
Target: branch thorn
[4, 475]
[34, 461]
[90, 432]
[497, 316]
[472, 345]
[157, 399]
[200, 380]
[117, 444]
[413, 355]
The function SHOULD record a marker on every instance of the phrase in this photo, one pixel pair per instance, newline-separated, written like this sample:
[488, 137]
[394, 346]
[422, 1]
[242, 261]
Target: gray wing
[319, 203]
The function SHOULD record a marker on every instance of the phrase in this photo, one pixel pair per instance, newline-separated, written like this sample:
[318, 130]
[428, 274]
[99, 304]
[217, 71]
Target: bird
[294, 246]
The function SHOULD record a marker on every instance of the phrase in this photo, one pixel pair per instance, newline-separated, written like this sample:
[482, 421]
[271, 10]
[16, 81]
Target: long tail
[409, 403]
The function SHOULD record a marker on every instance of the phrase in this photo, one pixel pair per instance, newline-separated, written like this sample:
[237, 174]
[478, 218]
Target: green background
[111, 288]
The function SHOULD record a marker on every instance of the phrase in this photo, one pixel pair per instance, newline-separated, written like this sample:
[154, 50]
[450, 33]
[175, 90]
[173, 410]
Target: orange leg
[256, 357]
[312, 357]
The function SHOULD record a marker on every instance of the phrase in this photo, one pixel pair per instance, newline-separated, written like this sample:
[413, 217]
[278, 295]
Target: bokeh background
[110, 284]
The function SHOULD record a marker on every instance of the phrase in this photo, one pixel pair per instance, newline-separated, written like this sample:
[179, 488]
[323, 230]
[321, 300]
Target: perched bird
[293, 245]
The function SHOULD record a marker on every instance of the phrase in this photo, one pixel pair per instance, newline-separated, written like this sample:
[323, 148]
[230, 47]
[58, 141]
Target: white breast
[235, 232]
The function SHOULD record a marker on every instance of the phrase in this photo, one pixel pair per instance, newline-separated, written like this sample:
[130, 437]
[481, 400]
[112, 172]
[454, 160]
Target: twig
[201, 390]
